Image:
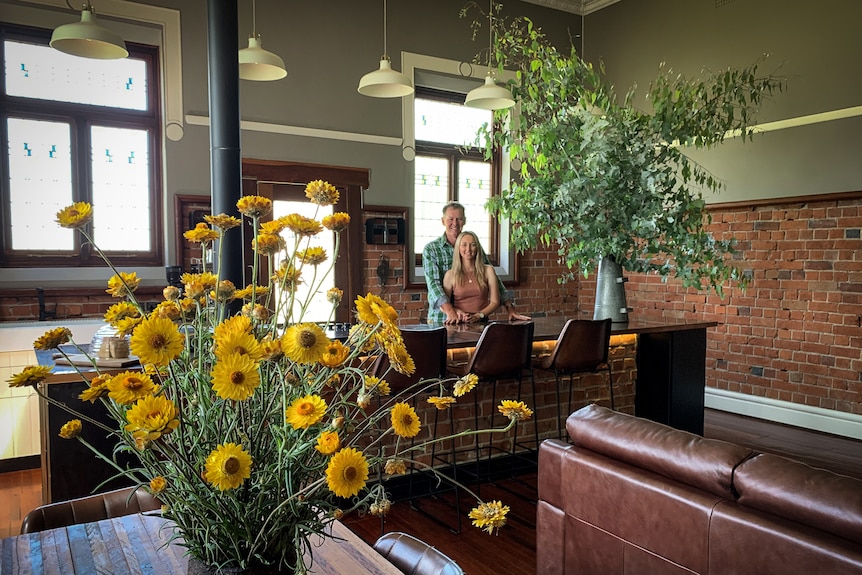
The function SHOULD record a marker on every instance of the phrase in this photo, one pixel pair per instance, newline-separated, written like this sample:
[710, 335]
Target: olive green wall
[327, 47]
[813, 44]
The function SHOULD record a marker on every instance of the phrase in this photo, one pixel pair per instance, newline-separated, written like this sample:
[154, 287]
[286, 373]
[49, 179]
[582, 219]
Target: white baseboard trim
[816, 418]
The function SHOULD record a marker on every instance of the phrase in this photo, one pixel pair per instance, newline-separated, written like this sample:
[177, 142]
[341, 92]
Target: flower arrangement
[251, 426]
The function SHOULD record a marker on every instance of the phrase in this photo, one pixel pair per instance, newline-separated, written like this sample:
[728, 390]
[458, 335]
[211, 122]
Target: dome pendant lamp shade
[255, 63]
[258, 64]
[385, 82]
[88, 39]
[489, 96]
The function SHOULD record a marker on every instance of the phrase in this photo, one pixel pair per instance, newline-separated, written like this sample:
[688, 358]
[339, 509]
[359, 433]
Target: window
[449, 168]
[77, 129]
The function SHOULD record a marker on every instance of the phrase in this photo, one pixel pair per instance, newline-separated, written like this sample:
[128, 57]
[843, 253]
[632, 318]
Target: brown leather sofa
[91, 508]
[631, 496]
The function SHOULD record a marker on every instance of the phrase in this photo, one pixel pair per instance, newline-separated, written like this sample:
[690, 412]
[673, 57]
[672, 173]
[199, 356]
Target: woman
[471, 285]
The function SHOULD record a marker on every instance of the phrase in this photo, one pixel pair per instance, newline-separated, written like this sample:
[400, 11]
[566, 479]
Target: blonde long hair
[458, 268]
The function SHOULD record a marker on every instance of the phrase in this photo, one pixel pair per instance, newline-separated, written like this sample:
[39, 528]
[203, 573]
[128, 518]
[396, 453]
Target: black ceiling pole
[225, 151]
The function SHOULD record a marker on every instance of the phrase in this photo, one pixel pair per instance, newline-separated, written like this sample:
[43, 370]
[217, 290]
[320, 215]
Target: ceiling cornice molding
[579, 7]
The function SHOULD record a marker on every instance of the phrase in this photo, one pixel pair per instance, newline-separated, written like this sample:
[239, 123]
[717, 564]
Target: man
[436, 261]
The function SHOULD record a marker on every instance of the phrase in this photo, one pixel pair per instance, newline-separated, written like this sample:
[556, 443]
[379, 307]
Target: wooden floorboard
[513, 549]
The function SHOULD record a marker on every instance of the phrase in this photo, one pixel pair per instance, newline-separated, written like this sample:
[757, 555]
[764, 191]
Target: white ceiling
[581, 7]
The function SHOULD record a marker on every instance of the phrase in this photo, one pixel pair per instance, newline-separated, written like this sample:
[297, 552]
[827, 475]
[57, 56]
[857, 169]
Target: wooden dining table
[140, 544]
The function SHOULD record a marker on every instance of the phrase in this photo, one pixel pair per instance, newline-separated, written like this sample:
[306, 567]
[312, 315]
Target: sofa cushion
[816, 497]
[703, 463]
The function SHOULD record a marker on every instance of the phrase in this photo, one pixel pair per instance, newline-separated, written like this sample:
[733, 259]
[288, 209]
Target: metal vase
[611, 292]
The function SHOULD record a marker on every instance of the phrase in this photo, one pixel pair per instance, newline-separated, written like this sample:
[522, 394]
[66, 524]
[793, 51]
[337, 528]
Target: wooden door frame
[351, 182]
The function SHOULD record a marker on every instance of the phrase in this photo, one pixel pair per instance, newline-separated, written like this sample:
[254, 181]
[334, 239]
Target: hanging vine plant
[600, 177]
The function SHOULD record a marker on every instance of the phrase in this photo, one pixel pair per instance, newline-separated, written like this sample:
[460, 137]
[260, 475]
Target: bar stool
[502, 352]
[427, 347]
[581, 347]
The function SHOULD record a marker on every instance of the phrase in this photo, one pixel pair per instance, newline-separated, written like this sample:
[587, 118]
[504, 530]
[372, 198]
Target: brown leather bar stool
[427, 347]
[115, 503]
[582, 347]
[412, 556]
[502, 352]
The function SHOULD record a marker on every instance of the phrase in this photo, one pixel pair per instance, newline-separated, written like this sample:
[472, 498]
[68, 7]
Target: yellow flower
[328, 443]
[75, 216]
[374, 384]
[304, 343]
[271, 227]
[227, 466]
[223, 221]
[71, 429]
[123, 284]
[239, 342]
[442, 403]
[224, 291]
[405, 422]
[301, 225]
[256, 311]
[171, 293]
[98, 388]
[130, 386]
[305, 411]
[268, 244]
[245, 293]
[372, 309]
[194, 289]
[168, 310]
[235, 376]
[254, 206]
[270, 349]
[53, 338]
[30, 375]
[201, 233]
[121, 310]
[207, 279]
[233, 324]
[156, 340]
[334, 295]
[489, 516]
[514, 410]
[395, 467]
[158, 484]
[127, 325]
[336, 222]
[334, 354]
[347, 472]
[465, 385]
[314, 255]
[321, 193]
[400, 359]
[151, 417]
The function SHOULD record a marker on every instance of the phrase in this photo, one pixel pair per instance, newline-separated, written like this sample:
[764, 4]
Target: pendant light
[385, 82]
[88, 39]
[490, 96]
[255, 63]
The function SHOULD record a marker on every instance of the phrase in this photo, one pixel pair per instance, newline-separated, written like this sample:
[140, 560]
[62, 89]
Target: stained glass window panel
[447, 122]
[474, 189]
[34, 71]
[121, 188]
[40, 183]
[431, 194]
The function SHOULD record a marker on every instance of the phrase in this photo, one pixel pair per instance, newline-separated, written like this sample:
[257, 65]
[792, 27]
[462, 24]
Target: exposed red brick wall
[794, 334]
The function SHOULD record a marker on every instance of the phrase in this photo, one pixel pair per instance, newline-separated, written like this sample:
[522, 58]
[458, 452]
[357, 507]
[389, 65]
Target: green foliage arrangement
[600, 177]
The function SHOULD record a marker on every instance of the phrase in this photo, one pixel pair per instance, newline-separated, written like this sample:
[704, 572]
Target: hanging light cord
[490, 34]
[385, 50]
[254, 18]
